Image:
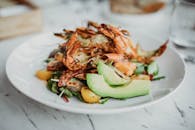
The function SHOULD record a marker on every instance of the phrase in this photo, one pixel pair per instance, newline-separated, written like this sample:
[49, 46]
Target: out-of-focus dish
[136, 6]
[136, 18]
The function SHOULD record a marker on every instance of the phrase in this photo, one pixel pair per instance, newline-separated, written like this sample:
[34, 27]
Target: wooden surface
[20, 24]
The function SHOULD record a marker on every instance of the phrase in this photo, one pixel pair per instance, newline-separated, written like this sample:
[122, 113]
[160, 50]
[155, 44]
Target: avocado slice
[135, 88]
[153, 68]
[109, 74]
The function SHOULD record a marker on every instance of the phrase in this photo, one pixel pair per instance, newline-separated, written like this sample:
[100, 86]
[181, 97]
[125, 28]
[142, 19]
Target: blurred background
[18, 17]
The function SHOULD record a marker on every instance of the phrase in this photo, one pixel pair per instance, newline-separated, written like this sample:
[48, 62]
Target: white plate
[29, 57]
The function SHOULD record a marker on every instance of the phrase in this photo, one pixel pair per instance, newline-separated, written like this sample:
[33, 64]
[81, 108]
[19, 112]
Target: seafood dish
[99, 62]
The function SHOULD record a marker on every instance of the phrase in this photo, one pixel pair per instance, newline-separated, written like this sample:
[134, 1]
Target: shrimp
[69, 60]
[72, 46]
[65, 35]
[123, 44]
[93, 24]
[149, 56]
[85, 32]
[67, 76]
[71, 41]
[115, 57]
[125, 67]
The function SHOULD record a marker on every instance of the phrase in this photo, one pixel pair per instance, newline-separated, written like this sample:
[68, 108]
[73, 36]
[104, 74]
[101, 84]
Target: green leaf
[104, 100]
[49, 84]
[158, 78]
[67, 92]
[56, 74]
[78, 95]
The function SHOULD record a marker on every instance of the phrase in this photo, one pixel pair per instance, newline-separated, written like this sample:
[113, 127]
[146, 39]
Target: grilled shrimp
[122, 43]
[149, 56]
[115, 57]
[67, 76]
[125, 67]
[69, 60]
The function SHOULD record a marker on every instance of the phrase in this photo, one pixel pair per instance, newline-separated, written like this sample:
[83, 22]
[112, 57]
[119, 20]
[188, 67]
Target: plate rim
[94, 110]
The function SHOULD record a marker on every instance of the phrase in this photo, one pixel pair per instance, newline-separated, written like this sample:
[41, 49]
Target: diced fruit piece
[135, 88]
[49, 60]
[110, 75]
[125, 67]
[89, 96]
[153, 68]
[44, 74]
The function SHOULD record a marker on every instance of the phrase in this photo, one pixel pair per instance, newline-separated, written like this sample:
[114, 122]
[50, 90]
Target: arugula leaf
[67, 92]
[78, 95]
[56, 74]
[158, 78]
[104, 100]
[48, 60]
[49, 84]
[54, 87]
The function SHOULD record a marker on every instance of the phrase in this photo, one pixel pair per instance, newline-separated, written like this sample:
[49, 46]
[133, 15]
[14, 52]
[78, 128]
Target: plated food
[28, 57]
[98, 62]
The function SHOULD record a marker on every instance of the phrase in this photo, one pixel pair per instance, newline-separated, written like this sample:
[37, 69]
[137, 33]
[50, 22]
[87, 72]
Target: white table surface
[17, 112]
